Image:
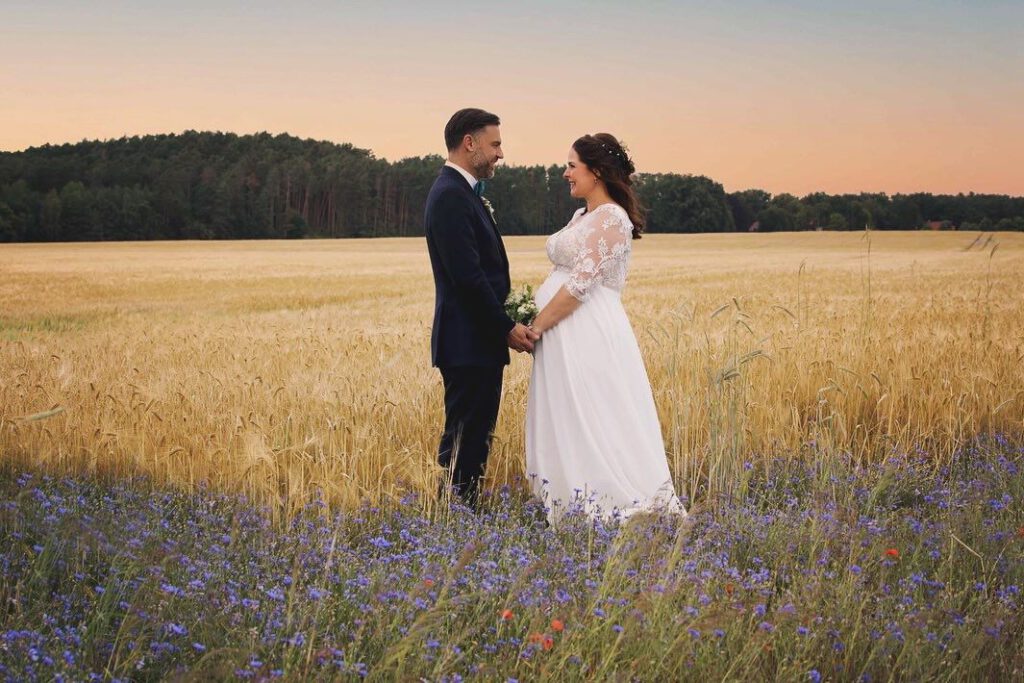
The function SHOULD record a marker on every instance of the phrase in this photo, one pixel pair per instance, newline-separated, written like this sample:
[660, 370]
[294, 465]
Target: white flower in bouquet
[520, 305]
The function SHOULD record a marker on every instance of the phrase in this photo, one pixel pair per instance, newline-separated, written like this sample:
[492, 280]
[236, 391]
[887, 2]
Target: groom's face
[485, 152]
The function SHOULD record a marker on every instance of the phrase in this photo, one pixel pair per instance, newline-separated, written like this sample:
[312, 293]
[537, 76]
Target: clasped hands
[521, 338]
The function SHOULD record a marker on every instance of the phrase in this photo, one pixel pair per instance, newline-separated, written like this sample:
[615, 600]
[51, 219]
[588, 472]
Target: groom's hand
[521, 338]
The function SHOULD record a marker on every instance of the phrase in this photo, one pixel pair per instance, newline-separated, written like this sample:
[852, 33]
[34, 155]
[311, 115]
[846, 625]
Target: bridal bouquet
[520, 305]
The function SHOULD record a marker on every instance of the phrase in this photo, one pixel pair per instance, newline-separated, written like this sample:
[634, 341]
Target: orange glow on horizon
[915, 151]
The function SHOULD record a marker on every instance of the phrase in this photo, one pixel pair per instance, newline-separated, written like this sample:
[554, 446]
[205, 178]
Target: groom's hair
[466, 122]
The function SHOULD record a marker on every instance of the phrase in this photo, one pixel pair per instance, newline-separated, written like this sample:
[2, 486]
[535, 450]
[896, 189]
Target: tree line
[205, 185]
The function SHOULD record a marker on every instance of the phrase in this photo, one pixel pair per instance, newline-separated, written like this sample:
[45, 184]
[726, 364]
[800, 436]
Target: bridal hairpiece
[613, 151]
[627, 166]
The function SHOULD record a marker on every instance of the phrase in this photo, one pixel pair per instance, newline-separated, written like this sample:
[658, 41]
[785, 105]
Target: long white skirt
[592, 433]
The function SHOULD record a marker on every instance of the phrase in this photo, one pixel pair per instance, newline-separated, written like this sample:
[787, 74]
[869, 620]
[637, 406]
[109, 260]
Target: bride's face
[581, 180]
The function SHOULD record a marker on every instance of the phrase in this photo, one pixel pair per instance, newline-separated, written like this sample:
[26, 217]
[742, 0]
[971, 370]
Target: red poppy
[536, 637]
[548, 642]
[728, 588]
[429, 583]
[506, 614]
[892, 552]
[557, 625]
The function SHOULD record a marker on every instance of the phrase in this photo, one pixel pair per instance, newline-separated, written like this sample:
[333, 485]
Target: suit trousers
[471, 398]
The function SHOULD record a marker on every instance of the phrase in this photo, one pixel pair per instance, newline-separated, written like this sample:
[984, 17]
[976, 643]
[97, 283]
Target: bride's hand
[521, 338]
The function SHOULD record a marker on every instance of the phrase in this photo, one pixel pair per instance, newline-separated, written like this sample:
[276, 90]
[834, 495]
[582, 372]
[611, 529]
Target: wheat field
[289, 371]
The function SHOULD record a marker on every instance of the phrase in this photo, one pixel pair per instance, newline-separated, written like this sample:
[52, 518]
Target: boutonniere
[490, 209]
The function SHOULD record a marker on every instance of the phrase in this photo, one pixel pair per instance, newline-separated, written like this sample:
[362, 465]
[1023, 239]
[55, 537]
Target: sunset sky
[785, 96]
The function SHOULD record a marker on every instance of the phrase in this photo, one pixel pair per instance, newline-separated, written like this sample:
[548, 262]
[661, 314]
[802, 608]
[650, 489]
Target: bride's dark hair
[608, 159]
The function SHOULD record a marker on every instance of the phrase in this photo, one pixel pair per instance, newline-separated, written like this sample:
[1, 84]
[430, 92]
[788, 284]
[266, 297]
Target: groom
[471, 333]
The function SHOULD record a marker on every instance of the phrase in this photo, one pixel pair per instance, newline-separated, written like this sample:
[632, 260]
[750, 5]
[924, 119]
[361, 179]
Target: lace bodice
[593, 248]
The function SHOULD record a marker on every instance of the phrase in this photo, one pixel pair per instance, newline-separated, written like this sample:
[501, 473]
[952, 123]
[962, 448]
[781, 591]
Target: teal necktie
[479, 188]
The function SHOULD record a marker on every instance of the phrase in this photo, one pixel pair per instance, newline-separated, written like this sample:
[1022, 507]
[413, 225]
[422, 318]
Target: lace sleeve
[602, 254]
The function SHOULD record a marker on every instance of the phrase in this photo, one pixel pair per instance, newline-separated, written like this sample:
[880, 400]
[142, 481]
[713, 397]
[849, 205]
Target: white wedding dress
[592, 435]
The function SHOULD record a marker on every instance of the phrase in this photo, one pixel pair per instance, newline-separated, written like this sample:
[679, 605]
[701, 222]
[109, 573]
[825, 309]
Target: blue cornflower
[177, 629]
[1001, 503]
[171, 589]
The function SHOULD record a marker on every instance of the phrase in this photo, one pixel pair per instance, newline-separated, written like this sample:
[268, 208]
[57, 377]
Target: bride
[592, 435]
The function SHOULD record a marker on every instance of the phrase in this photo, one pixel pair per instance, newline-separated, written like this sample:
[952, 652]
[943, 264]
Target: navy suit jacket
[471, 278]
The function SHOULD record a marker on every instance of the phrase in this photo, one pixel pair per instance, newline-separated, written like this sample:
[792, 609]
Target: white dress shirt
[465, 174]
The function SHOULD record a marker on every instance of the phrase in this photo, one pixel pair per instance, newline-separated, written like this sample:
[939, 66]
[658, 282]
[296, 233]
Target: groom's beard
[483, 169]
